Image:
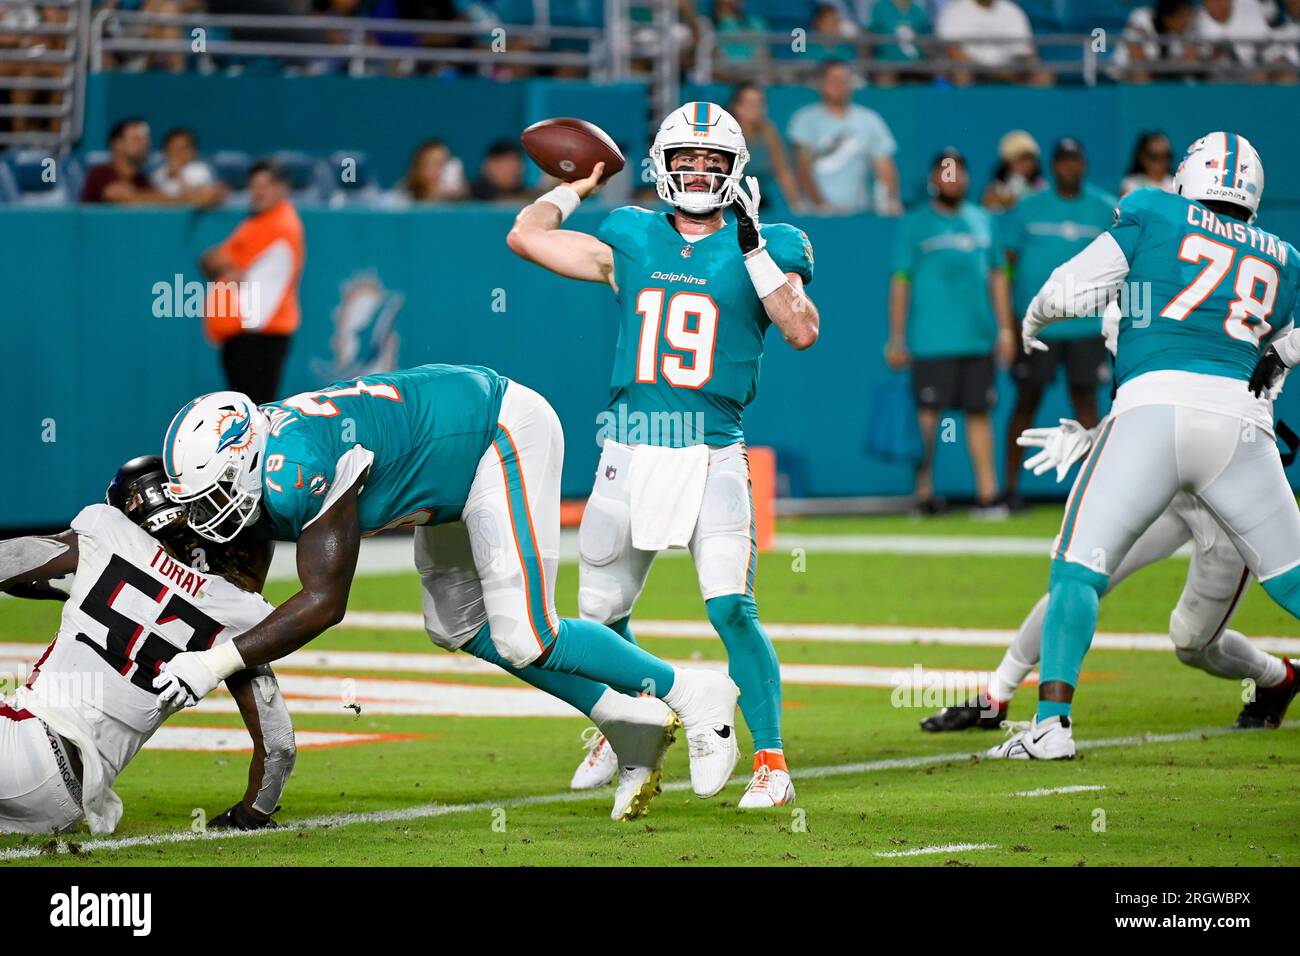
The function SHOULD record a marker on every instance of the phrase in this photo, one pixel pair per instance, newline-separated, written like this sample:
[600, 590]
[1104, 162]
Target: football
[569, 149]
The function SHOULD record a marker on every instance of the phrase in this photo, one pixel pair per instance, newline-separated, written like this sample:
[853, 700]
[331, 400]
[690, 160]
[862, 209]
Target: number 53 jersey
[691, 328]
[132, 607]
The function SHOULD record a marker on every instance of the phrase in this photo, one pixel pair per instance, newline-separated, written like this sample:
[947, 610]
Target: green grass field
[869, 781]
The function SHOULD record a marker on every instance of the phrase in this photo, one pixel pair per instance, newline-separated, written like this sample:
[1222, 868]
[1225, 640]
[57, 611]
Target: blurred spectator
[433, 175]
[1285, 23]
[1151, 166]
[183, 173]
[1164, 33]
[254, 320]
[21, 17]
[1232, 32]
[768, 159]
[1043, 231]
[176, 61]
[839, 145]
[949, 315]
[501, 176]
[122, 179]
[827, 23]
[906, 21]
[730, 16]
[1017, 174]
[993, 35]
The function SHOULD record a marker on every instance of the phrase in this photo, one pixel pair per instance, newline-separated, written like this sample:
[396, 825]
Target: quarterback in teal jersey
[1192, 411]
[472, 461]
[695, 294]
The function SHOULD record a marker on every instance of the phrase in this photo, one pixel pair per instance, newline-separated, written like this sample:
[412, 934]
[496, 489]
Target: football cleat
[706, 703]
[1270, 704]
[770, 786]
[599, 767]
[980, 712]
[640, 737]
[1052, 739]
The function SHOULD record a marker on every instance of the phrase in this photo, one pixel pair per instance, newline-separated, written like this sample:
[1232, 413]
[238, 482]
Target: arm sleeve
[1081, 286]
[278, 742]
[881, 139]
[267, 281]
[347, 472]
[798, 130]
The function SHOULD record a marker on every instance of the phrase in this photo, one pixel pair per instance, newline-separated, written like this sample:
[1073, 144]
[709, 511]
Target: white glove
[748, 230]
[191, 675]
[1029, 329]
[1061, 446]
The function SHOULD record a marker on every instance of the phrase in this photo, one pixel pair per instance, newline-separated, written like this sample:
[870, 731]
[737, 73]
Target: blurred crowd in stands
[891, 40]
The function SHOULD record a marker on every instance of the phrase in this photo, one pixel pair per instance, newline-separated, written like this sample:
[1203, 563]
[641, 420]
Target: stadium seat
[304, 172]
[29, 183]
[358, 189]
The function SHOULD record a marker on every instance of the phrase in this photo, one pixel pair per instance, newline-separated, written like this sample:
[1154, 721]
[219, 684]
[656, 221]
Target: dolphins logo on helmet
[694, 126]
[1222, 167]
[213, 457]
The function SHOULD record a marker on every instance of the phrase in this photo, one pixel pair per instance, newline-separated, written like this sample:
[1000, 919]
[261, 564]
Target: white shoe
[1052, 739]
[706, 703]
[640, 737]
[770, 786]
[599, 767]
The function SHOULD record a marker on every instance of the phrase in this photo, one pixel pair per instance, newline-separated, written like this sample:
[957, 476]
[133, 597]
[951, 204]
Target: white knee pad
[608, 585]
[722, 545]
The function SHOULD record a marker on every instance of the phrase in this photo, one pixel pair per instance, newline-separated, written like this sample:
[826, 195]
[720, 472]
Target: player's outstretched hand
[240, 817]
[185, 680]
[1268, 372]
[1061, 447]
[590, 185]
[746, 209]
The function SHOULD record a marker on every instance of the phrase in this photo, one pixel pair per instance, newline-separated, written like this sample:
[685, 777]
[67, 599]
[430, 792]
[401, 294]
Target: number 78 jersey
[691, 328]
[1213, 288]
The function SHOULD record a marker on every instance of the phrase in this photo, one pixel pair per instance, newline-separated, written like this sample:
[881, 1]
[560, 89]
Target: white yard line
[424, 811]
[946, 848]
[1051, 791]
[845, 633]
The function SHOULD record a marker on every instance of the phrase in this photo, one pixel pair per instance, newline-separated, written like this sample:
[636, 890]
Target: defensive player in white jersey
[89, 704]
[696, 295]
[1217, 577]
[1189, 413]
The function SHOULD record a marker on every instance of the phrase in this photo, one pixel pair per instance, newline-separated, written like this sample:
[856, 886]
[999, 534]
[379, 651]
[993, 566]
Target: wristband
[224, 659]
[565, 198]
[764, 273]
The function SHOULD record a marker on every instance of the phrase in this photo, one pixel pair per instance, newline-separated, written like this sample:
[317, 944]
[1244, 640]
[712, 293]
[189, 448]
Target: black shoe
[1015, 504]
[929, 507]
[1270, 703]
[978, 713]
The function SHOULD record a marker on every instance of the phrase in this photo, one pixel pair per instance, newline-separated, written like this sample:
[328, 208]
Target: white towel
[665, 490]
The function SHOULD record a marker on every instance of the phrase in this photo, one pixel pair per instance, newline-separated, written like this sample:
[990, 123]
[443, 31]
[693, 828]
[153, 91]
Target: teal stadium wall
[85, 353]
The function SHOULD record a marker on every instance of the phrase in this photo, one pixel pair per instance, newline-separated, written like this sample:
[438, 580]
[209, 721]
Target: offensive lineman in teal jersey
[1190, 413]
[696, 294]
[472, 460]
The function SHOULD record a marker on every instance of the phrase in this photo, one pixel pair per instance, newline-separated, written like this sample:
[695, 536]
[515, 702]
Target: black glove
[1268, 370]
[745, 208]
[239, 817]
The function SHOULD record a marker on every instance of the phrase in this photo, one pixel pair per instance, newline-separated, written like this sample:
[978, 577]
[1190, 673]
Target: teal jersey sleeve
[1126, 228]
[791, 249]
[623, 230]
[295, 478]
[1010, 233]
[904, 260]
[997, 243]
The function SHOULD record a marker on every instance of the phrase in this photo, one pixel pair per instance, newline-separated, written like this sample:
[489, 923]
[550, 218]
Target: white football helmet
[1223, 167]
[213, 455]
[694, 126]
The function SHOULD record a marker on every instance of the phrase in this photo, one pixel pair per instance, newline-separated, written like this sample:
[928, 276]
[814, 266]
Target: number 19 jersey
[1214, 288]
[691, 328]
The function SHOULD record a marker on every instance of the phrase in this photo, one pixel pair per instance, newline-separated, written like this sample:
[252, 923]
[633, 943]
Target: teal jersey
[691, 328]
[427, 427]
[906, 24]
[1213, 288]
[947, 259]
[1046, 229]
